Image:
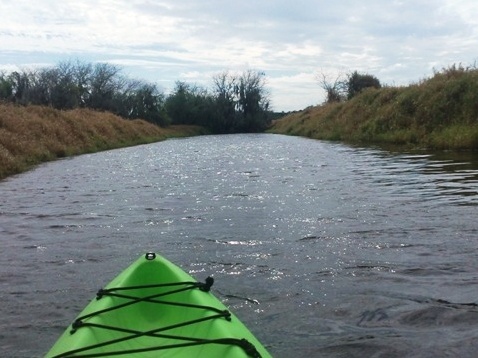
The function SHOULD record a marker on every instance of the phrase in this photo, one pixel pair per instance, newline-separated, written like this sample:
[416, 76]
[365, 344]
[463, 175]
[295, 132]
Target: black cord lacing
[109, 292]
[248, 347]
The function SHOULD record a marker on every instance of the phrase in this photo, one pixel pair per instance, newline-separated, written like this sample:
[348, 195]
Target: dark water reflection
[322, 249]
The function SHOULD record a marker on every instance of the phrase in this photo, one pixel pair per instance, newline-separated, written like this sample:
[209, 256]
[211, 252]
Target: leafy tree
[358, 81]
[242, 103]
[252, 102]
[178, 104]
[39, 91]
[6, 88]
[190, 104]
[20, 82]
[149, 104]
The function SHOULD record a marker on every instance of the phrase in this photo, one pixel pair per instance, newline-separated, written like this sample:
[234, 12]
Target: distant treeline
[236, 103]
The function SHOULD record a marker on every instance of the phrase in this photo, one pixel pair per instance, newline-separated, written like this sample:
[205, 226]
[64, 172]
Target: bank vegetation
[236, 102]
[440, 112]
[30, 135]
[76, 107]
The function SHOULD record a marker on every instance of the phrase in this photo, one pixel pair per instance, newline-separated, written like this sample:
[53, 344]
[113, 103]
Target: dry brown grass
[440, 113]
[31, 135]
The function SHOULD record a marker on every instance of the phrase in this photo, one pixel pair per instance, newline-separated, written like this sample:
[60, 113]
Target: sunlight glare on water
[322, 249]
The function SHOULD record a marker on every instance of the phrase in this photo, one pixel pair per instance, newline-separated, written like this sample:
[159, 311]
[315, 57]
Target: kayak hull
[154, 308]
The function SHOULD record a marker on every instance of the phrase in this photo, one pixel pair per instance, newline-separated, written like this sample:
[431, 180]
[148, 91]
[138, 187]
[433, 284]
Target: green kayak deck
[155, 309]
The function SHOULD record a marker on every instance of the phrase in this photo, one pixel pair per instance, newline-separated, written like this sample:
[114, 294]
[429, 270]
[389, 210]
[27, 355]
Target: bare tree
[104, 84]
[252, 101]
[224, 85]
[82, 76]
[335, 90]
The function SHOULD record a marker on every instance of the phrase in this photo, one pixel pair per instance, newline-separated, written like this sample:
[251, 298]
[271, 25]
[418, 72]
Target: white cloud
[398, 41]
[292, 91]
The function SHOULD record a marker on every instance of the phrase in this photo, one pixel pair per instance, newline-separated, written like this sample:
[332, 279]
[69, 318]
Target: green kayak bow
[155, 309]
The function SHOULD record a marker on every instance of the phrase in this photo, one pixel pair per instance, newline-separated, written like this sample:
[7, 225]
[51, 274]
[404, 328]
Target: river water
[322, 249]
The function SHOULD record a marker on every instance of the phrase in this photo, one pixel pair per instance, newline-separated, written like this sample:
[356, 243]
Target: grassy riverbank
[438, 113]
[33, 134]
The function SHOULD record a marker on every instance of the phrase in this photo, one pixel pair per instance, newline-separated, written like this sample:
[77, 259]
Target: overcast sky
[163, 41]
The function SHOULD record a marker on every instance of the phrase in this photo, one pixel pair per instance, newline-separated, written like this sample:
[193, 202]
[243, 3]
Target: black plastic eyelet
[150, 256]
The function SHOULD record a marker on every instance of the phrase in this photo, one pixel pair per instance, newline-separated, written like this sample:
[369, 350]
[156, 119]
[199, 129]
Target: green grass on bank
[437, 113]
[33, 134]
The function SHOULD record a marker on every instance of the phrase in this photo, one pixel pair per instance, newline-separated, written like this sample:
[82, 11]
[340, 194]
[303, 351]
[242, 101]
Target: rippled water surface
[321, 249]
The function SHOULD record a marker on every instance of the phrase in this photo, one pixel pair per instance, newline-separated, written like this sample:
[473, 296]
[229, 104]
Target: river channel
[322, 249]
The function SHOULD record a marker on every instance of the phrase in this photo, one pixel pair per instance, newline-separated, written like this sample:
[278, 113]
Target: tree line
[237, 102]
